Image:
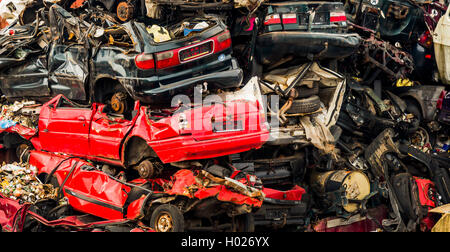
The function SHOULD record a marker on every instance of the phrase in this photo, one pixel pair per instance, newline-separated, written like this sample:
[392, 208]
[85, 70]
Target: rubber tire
[304, 106]
[305, 92]
[175, 214]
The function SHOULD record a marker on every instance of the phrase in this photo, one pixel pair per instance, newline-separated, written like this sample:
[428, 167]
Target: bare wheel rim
[118, 102]
[164, 222]
[124, 11]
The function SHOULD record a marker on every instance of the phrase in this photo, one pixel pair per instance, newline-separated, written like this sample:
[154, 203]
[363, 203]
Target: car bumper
[282, 213]
[218, 80]
[274, 46]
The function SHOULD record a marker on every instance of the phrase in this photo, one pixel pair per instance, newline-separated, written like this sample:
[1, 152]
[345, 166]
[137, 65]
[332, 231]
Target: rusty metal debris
[228, 115]
[19, 182]
[26, 113]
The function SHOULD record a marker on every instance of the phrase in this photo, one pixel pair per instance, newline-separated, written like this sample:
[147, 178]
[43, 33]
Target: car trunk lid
[305, 16]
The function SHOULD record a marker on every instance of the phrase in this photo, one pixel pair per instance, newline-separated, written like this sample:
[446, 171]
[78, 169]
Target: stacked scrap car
[225, 116]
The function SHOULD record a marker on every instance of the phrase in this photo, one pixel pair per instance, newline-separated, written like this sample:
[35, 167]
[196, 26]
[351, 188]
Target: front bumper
[274, 46]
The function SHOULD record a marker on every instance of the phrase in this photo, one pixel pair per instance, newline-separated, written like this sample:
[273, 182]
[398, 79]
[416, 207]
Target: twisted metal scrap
[373, 46]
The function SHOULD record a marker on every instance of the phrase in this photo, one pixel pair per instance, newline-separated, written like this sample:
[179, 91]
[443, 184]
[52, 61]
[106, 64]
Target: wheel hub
[145, 169]
[118, 103]
[125, 11]
[164, 223]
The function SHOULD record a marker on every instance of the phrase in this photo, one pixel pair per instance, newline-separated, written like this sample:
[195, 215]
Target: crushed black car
[148, 62]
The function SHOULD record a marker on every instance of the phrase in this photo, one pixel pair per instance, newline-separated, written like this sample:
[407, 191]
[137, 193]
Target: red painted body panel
[427, 191]
[106, 136]
[364, 224]
[295, 193]
[64, 129]
[92, 191]
[89, 191]
[91, 133]
[185, 179]
[11, 214]
[17, 213]
[23, 131]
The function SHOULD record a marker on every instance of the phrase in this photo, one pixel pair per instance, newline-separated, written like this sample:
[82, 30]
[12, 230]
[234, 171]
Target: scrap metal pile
[244, 115]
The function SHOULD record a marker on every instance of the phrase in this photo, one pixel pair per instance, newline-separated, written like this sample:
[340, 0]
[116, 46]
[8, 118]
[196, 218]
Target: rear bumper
[218, 80]
[274, 46]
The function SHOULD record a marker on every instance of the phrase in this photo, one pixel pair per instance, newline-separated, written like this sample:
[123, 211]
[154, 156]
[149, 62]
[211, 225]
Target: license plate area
[321, 18]
[196, 52]
[276, 214]
[227, 126]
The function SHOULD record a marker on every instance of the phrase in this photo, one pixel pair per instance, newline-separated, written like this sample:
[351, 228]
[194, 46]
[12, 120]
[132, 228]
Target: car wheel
[167, 218]
[304, 106]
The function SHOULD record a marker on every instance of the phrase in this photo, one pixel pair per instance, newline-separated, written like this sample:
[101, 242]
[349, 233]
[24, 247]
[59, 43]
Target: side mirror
[52, 106]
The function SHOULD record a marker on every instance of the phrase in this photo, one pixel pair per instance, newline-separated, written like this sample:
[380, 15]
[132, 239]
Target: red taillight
[441, 100]
[337, 17]
[167, 59]
[223, 41]
[272, 19]
[289, 18]
[145, 61]
[426, 40]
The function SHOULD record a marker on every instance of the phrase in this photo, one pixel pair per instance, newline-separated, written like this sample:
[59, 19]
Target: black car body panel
[271, 47]
[77, 61]
[426, 97]
[314, 30]
[278, 213]
[444, 115]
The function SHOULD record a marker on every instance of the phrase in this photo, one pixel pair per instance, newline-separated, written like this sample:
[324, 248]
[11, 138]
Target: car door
[107, 133]
[64, 128]
[68, 70]
[92, 191]
[28, 78]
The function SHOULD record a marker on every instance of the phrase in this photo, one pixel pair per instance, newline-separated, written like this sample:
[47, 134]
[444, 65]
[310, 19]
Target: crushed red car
[186, 199]
[147, 139]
